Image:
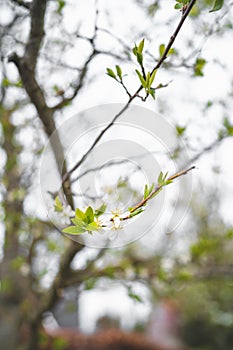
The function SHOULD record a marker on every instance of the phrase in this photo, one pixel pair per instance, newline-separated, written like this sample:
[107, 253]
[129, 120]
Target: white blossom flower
[68, 212]
[61, 218]
[115, 233]
[116, 223]
[101, 226]
[117, 212]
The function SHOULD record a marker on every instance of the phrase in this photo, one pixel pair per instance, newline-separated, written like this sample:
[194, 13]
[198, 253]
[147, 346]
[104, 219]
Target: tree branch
[25, 4]
[26, 67]
[36, 33]
[206, 149]
[77, 277]
[156, 190]
[79, 85]
[67, 175]
[162, 59]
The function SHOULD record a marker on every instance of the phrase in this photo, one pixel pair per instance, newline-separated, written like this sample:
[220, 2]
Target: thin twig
[125, 88]
[78, 87]
[66, 175]
[116, 162]
[156, 190]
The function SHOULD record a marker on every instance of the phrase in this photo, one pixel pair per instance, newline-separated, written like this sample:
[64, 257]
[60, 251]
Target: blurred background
[174, 286]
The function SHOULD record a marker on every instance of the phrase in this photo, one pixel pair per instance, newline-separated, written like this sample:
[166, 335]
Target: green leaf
[111, 73]
[156, 193]
[168, 182]
[119, 71]
[146, 192]
[228, 126]
[93, 226]
[218, 4]
[180, 130]
[160, 178]
[6, 82]
[101, 210]
[143, 82]
[161, 49]
[151, 188]
[199, 66]
[139, 58]
[80, 214]
[178, 6]
[152, 77]
[135, 50]
[73, 230]
[148, 80]
[172, 51]
[58, 205]
[152, 92]
[164, 178]
[89, 215]
[134, 296]
[61, 5]
[141, 46]
[78, 222]
[136, 212]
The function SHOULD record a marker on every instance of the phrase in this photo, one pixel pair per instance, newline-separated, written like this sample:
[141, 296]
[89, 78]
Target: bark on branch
[36, 33]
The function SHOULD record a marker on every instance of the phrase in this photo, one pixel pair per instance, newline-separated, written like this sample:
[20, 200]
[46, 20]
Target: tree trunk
[10, 337]
[18, 301]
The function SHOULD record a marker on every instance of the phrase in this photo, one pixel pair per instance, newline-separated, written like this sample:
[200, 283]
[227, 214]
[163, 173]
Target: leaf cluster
[137, 51]
[115, 75]
[85, 221]
[147, 82]
[162, 179]
[149, 193]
